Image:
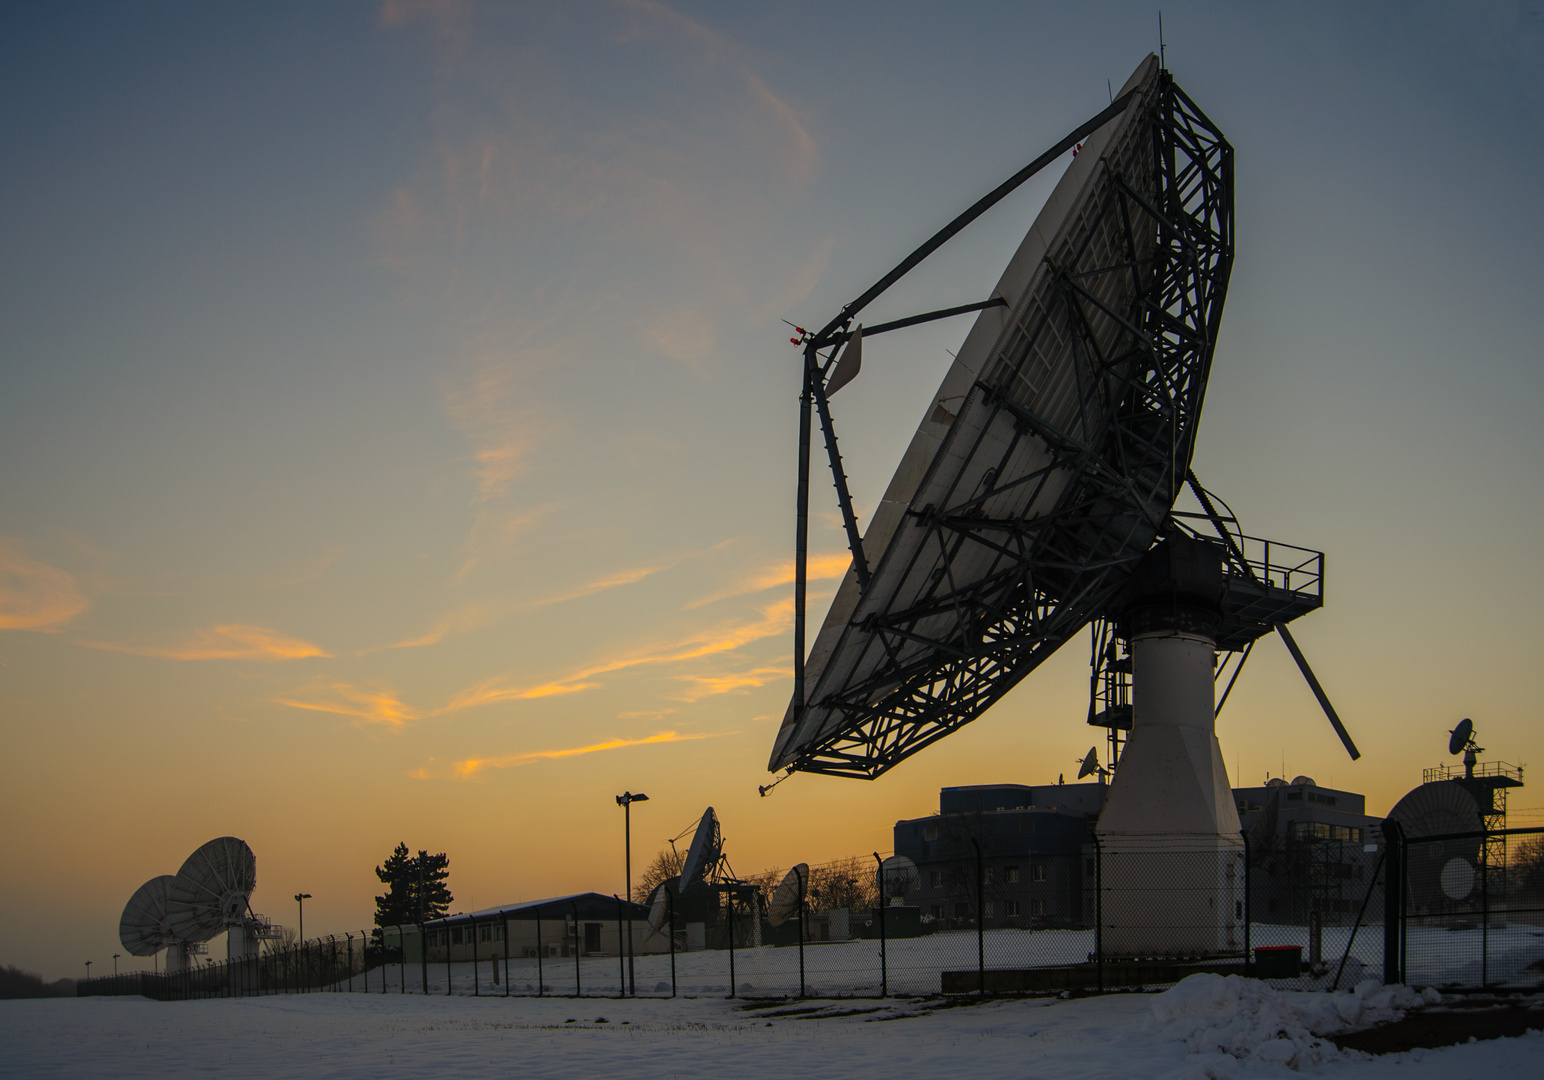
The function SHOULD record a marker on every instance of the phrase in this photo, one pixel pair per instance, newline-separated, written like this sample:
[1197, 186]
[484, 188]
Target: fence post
[1393, 902]
[803, 881]
[1485, 913]
[402, 957]
[476, 975]
[1099, 912]
[541, 979]
[1362, 911]
[575, 906]
[504, 929]
[884, 972]
[670, 914]
[621, 951]
[1248, 910]
[980, 921]
[423, 957]
[729, 903]
[447, 959]
[349, 937]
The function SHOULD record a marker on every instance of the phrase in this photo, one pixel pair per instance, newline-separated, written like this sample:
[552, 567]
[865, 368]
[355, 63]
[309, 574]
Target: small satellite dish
[702, 857]
[848, 364]
[1090, 763]
[1460, 737]
[788, 897]
[160, 913]
[1275, 781]
[900, 876]
[1303, 781]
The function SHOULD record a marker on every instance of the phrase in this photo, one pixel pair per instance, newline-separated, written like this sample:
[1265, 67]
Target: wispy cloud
[366, 705]
[234, 641]
[819, 568]
[34, 595]
[737, 682]
[610, 581]
[471, 767]
[463, 620]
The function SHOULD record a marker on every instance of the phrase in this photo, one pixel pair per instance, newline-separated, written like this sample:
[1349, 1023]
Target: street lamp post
[301, 898]
[115, 964]
[625, 801]
[88, 969]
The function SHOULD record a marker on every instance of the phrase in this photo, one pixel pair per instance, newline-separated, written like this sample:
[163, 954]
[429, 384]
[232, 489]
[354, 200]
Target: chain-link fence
[1470, 909]
[1118, 914]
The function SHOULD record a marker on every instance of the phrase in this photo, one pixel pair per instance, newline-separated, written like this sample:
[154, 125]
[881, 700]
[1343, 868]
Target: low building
[583, 924]
[1312, 849]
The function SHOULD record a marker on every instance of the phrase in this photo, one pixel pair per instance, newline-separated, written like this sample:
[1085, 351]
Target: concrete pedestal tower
[1172, 858]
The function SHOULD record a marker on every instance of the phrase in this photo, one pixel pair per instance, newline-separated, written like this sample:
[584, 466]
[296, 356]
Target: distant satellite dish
[1275, 781]
[1090, 763]
[788, 897]
[159, 914]
[659, 905]
[900, 877]
[1458, 738]
[702, 857]
[223, 874]
[1457, 879]
[1303, 781]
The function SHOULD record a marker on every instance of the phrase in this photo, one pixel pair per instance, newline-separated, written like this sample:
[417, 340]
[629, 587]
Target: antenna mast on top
[1162, 62]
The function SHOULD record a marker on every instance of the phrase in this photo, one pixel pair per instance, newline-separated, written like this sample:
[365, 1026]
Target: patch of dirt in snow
[1229, 1019]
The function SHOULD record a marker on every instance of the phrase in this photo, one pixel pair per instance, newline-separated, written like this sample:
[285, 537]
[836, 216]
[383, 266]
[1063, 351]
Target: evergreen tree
[404, 876]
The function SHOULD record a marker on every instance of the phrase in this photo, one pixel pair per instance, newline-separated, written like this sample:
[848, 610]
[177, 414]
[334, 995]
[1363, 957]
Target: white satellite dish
[161, 913]
[659, 905]
[702, 857]
[900, 877]
[788, 897]
[223, 873]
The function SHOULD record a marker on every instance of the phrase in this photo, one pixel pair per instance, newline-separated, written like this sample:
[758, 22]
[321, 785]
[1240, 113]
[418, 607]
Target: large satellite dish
[703, 855]
[659, 905]
[223, 874]
[159, 914]
[1444, 869]
[1048, 461]
[788, 898]
[1460, 737]
[900, 877]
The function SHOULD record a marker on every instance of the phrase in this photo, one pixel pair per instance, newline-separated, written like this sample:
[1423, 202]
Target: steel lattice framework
[1061, 463]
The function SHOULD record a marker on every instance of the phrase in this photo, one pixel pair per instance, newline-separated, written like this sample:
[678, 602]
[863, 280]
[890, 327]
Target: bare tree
[665, 865]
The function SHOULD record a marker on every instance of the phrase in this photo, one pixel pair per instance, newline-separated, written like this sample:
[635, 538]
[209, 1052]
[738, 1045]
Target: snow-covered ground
[1207, 1027]
[913, 965]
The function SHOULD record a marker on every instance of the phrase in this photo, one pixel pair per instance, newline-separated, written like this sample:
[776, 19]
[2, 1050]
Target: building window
[455, 935]
[1037, 907]
[1011, 875]
[930, 832]
[990, 909]
[1037, 871]
[989, 876]
[485, 933]
[1011, 908]
[935, 879]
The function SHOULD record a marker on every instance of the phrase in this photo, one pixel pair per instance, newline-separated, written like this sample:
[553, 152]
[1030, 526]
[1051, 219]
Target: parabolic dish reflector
[1433, 870]
[702, 856]
[1049, 459]
[161, 912]
[788, 897]
[223, 874]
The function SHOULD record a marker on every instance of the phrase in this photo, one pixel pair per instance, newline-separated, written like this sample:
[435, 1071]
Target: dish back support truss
[1060, 466]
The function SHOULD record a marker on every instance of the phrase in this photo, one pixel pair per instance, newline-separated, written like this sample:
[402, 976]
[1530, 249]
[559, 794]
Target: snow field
[1206, 1027]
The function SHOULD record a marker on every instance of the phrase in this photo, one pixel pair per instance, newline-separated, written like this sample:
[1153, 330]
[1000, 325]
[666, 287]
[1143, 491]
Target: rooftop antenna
[1461, 741]
[1162, 61]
